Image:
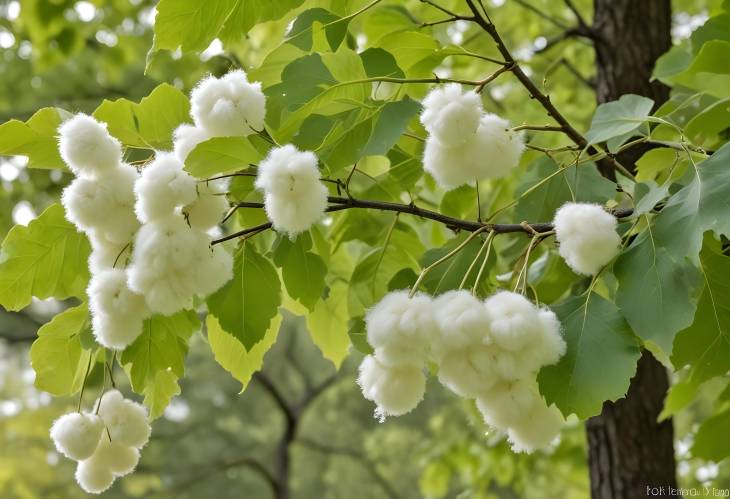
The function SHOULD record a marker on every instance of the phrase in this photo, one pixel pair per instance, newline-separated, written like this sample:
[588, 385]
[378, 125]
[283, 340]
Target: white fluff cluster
[465, 144]
[294, 196]
[87, 147]
[100, 202]
[228, 106]
[587, 236]
[172, 262]
[399, 328]
[117, 312]
[490, 351]
[162, 188]
[106, 445]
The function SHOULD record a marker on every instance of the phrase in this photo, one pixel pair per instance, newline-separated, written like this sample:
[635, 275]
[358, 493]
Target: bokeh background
[213, 440]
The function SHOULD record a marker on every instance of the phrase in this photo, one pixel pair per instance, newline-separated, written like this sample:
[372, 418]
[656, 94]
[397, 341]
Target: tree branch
[341, 203]
[367, 464]
[536, 94]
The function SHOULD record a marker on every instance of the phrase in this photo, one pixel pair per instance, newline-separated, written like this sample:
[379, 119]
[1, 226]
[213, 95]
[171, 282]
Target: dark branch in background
[366, 463]
[574, 32]
[450, 222]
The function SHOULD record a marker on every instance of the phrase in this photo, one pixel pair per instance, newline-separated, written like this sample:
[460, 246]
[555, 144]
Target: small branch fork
[344, 203]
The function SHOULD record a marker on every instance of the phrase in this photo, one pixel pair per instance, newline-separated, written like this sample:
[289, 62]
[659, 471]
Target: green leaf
[190, 24]
[248, 13]
[150, 123]
[302, 271]
[162, 345]
[301, 32]
[231, 354]
[246, 305]
[679, 396]
[315, 84]
[657, 292]
[617, 118]
[221, 155]
[327, 324]
[599, 362]
[358, 336]
[57, 357]
[711, 440]
[35, 138]
[701, 205]
[708, 71]
[582, 183]
[392, 121]
[379, 62]
[46, 259]
[159, 392]
[647, 195]
[370, 278]
[705, 344]
[709, 122]
[449, 274]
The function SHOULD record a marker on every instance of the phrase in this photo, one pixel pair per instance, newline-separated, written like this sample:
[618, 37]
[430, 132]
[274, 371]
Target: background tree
[72, 55]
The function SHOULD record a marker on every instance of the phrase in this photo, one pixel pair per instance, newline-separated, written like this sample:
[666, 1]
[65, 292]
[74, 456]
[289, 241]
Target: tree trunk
[628, 450]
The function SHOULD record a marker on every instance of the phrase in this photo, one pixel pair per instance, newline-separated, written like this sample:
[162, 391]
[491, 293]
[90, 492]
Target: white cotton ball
[185, 138]
[76, 436]
[514, 320]
[400, 327]
[369, 373]
[109, 294]
[449, 166]
[294, 198]
[587, 236]
[104, 204]
[118, 458]
[467, 371]
[164, 259]
[115, 331]
[450, 116]
[162, 187]
[91, 477]
[105, 254]
[547, 347]
[395, 390]
[503, 147]
[214, 269]
[286, 171]
[461, 319]
[125, 419]
[491, 153]
[229, 106]
[86, 146]
[296, 215]
[506, 403]
[537, 430]
[209, 207]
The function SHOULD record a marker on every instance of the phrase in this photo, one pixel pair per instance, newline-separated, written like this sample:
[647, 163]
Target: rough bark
[628, 450]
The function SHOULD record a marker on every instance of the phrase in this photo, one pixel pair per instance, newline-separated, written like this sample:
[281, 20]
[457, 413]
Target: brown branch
[341, 203]
[536, 94]
[578, 16]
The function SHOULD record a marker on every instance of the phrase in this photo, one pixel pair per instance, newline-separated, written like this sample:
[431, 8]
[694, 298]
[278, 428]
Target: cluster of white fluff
[294, 196]
[228, 106]
[587, 236]
[106, 444]
[172, 259]
[464, 143]
[100, 201]
[490, 351]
